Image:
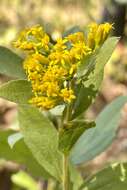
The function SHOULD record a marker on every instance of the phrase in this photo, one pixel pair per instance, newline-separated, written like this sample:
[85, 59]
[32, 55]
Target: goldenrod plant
[55, 83]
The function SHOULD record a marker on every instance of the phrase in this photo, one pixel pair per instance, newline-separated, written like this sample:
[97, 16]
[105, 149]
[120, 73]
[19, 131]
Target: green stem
[68, 113]
[65, 173]
[66, 177]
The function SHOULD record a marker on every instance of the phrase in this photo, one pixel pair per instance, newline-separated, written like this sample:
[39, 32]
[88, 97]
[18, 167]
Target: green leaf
[96, 140]
[88, 64]
[41, 137]
[11, 63]
[113, 178]
[18, 91]
[84, 99]
[69, 136]
[20, 154]
[22, 179]
[93, 76]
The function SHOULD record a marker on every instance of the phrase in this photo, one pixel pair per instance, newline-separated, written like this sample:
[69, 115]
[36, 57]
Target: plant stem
[65, 172]
[66, 177]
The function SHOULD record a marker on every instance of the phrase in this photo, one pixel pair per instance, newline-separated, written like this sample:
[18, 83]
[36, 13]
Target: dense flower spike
[52, 68]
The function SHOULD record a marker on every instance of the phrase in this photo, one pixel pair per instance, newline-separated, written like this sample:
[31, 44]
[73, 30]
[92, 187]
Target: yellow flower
[43, 102]
[60, 45]
[40, 58]
[107, 28]
[32, 39]
[93, 27]
[61, 58]
[45, 42]
[79, 50]
[73, 69]
[32, 65]
[98, 34]
[51, 88]
[36, 31]
[76, 37]
[67, 95]
[54, 73]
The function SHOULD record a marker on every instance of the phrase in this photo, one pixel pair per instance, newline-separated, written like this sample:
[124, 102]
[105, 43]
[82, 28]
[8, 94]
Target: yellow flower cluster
[98, 34]
[33, 39]
[52, 68]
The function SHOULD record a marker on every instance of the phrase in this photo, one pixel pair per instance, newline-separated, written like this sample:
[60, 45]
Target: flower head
[52, 69]
[67, 95]
[33, 39]
[98, 34]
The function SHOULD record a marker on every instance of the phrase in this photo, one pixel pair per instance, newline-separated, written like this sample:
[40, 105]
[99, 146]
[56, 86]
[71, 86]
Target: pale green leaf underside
[14, 138]
[96, 140]
[41, 137]
[11, 63]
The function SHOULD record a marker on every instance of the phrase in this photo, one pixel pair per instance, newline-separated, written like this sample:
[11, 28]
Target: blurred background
[57, 16]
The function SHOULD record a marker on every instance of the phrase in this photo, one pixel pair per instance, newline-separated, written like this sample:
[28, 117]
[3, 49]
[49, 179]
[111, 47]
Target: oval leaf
[96, 140]
[41, 137]
[11, 63]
